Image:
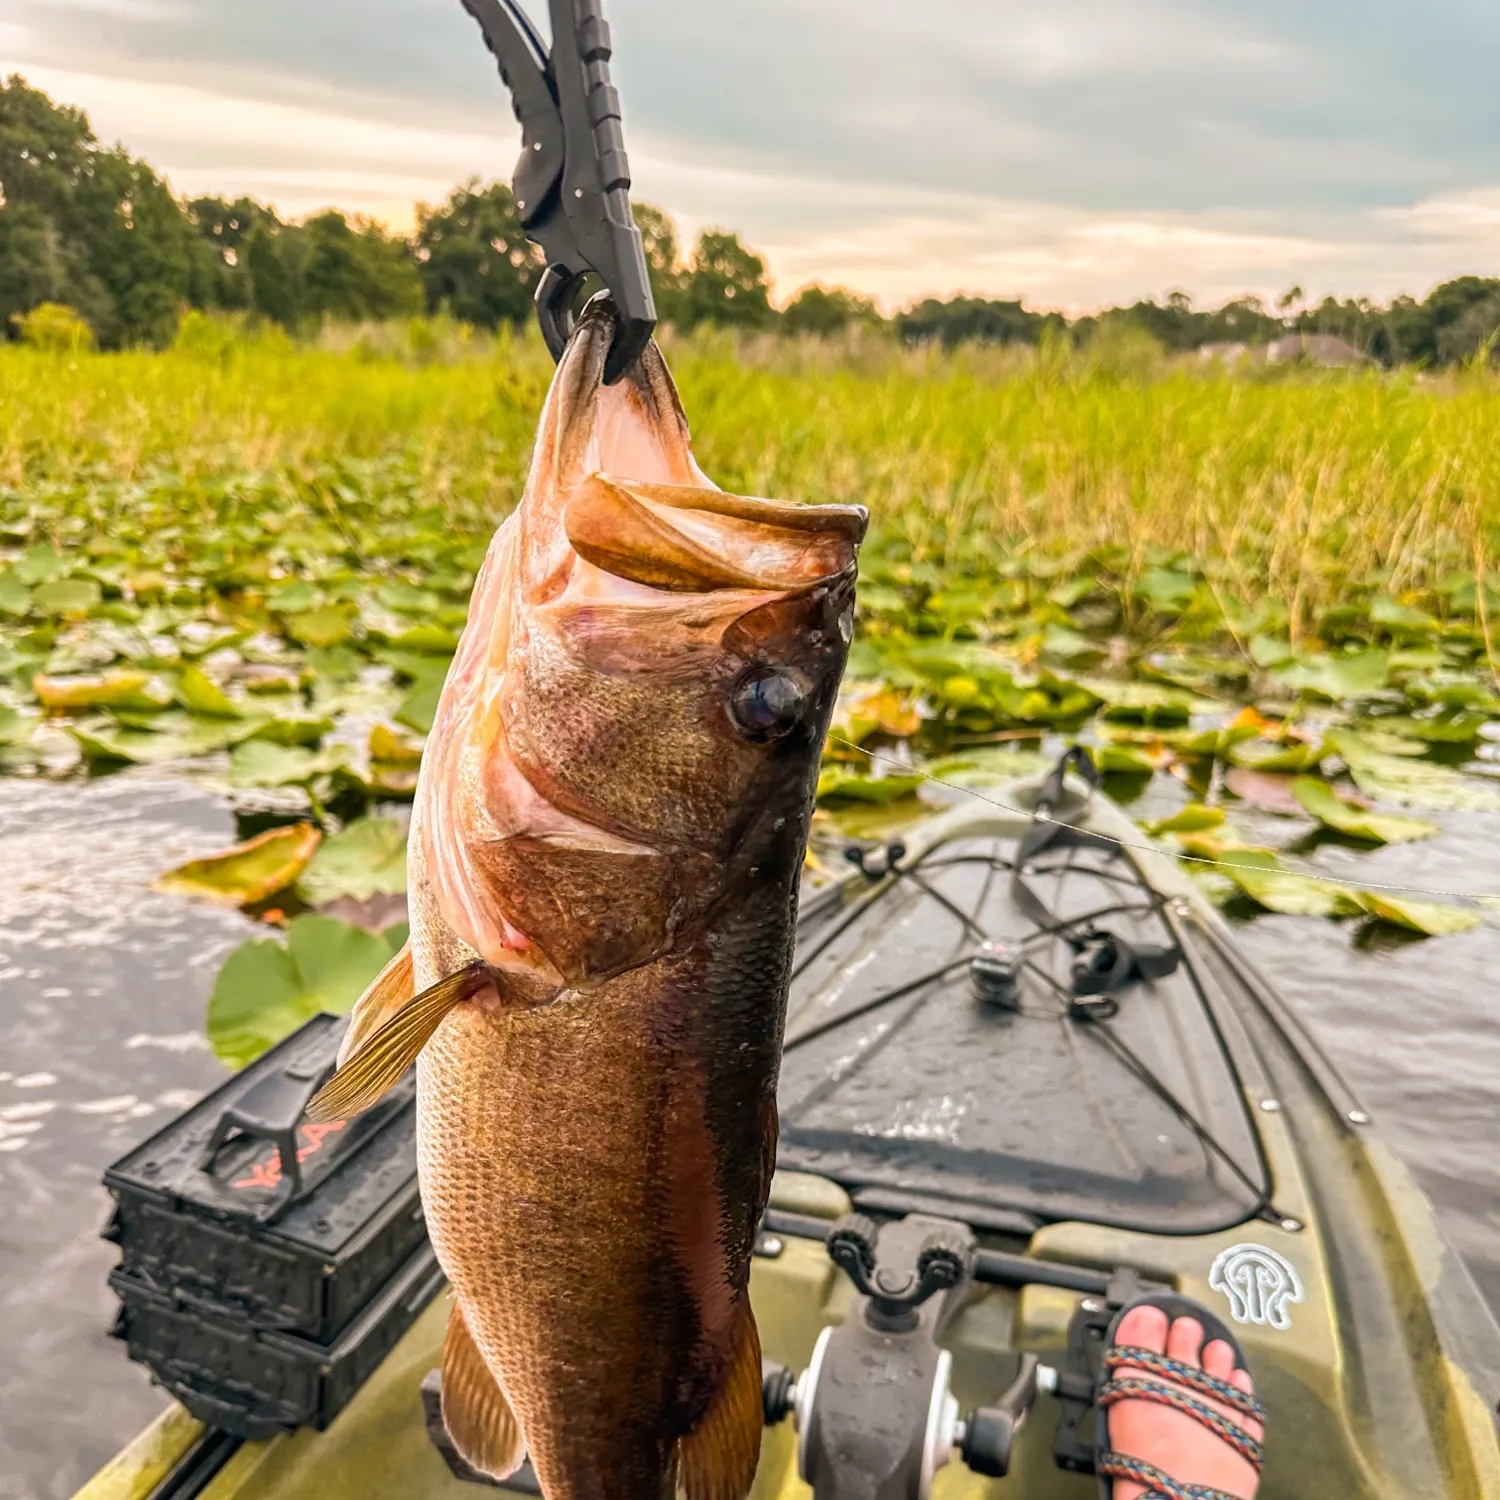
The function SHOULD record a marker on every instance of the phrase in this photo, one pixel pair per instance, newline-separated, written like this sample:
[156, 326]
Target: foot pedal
[522, 1482]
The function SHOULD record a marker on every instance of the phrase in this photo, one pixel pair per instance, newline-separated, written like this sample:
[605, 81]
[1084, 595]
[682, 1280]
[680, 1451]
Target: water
[103, 984]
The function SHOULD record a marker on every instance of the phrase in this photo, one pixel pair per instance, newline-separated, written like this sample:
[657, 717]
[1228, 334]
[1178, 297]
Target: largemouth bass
[608, 835]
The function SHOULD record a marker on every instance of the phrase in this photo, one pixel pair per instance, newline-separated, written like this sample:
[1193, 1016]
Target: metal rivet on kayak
[1182, 907]
[1358, 1117]
[1091, 1305]
[1292, 1226]
[769, 1246]
[1271, 1106]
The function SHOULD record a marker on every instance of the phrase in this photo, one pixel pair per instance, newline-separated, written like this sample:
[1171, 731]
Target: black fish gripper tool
[572, 182]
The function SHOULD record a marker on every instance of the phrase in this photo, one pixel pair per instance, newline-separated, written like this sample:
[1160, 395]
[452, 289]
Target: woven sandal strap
[1128, 1389]
[1124, 1356]
[1159, 1484]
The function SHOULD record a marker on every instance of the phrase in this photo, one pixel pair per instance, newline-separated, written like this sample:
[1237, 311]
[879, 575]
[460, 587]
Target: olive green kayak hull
[1381, 1385]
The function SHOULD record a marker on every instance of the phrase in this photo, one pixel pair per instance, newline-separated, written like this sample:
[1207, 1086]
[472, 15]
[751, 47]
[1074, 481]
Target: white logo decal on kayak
[1259, 1283]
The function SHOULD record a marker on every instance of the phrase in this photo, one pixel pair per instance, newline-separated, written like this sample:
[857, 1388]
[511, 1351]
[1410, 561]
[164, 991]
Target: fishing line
[907, 769]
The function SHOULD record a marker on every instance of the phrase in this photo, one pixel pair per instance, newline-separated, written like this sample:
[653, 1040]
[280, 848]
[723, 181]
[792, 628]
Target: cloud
[1075, 151]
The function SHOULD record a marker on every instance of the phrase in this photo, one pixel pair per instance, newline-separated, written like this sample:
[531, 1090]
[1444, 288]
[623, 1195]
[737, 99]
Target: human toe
[1184, 1340]
[1218, 1360]
[1143, 1328]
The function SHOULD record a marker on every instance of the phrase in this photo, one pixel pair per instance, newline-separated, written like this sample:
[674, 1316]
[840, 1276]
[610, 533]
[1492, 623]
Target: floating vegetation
[255, 567]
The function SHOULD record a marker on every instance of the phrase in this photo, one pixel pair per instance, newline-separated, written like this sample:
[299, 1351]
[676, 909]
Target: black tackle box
[268, 1264]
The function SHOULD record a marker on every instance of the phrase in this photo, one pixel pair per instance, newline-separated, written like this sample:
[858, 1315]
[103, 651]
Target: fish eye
[767, 704]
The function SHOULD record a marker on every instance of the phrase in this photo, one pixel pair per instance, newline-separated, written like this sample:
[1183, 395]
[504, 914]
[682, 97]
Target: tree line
[93, 228]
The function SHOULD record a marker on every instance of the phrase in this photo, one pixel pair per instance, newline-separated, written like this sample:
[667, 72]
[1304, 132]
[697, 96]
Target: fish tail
[718, 1458]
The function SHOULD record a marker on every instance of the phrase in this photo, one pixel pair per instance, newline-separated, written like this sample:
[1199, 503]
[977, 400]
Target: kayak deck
[1375, 1357]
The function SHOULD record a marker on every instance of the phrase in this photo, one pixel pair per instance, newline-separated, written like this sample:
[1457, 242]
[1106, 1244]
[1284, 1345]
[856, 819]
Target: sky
[1075, 153]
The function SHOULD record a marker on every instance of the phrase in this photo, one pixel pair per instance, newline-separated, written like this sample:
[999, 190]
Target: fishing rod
[572, 181]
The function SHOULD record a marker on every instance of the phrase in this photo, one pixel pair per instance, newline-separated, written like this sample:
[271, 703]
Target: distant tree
[221, 275]
[663, 260]
[276, 261]
[357, 271]
[974, 320]
[825, 310]
[726, 284]
[140, 247]
[1449, 325]
[45, 152]
[85, 226]
[473, 257]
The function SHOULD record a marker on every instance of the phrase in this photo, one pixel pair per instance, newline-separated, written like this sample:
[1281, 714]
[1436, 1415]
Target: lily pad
[15, 597]
[67, 596]
[259, 763]
[200, 694]
[367, 859]
[320, 627]
[249, 872]
[267, 988]
[137, 690]
[1332, 811]
[1272, 755]
[1194, 818]
[1418, 783]
[1340, 679]
[839, 784]
[391, 749]
[1427, 917]
[1262, 877]
[1270, 791]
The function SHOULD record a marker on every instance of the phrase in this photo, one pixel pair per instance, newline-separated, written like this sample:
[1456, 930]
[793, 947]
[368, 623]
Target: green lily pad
[1446, 729]
[294, 597]
[1430, 918]
[1401, 619]
[1268, 651]
[106, 741]
[419, 707]
[320, 627]
[267, 989]
[249, 872]
[200, 694]
[41, 564]
[391, 749]
[837, 783]
[1340, 679]
[367, 859]
[259, 763]
[15, 597]
[1147, 702]
[1270, 755]
[1419, 783]
[1332, 811]
[292, 729]
[135, 690]
[67, 596]
[1260, 875]
[1194, 818]
[1123, 760]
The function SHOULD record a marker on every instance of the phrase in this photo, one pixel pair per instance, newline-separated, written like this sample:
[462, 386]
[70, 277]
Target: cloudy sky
[1074, 152]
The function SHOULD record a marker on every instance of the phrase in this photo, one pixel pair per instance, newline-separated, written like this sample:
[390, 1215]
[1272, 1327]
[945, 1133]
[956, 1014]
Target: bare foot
[1170, 1440]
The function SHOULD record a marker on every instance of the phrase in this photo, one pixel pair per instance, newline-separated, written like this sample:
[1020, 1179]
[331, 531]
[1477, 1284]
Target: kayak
[1027, 1074]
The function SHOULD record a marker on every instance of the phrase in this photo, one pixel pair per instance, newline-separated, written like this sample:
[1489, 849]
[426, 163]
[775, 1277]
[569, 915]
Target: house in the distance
[1324, 349]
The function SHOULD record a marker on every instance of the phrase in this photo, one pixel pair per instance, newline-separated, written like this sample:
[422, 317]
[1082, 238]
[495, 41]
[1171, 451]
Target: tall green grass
[1296, 484]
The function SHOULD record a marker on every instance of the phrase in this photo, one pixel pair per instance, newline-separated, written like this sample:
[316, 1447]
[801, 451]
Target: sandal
[1133, 1374]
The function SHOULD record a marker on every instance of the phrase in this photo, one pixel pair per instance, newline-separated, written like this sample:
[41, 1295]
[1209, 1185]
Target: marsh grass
[1298, 484]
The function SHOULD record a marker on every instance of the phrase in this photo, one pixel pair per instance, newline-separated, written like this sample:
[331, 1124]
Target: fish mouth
[637, 507]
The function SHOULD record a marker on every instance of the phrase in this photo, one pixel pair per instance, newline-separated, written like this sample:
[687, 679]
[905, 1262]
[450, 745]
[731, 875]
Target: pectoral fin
[717, 1459]
[394, 986]
[381, 1061]
[475, 1412]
